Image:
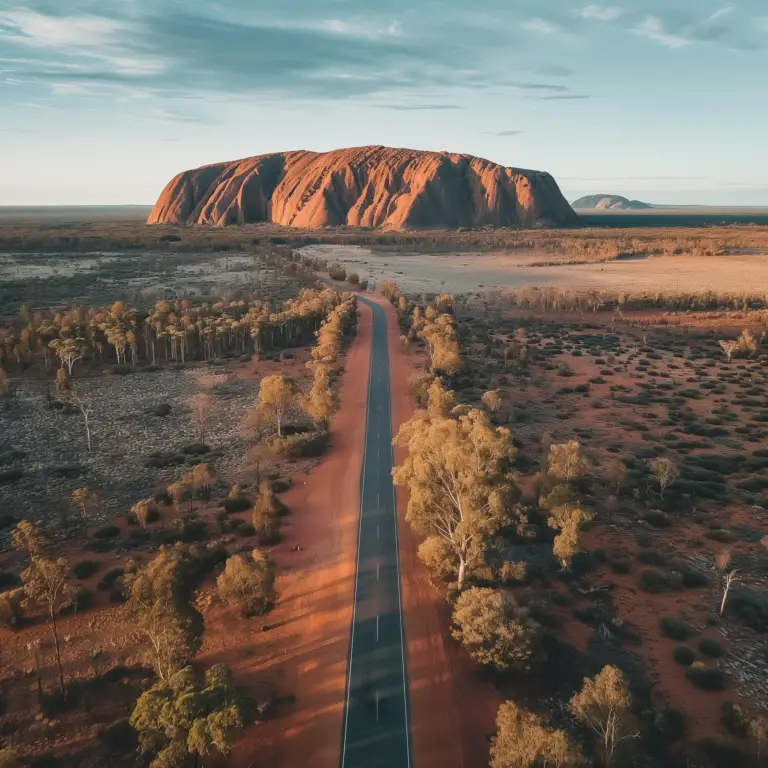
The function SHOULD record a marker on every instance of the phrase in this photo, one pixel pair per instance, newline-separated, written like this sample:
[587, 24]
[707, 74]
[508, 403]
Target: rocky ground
[49, 445]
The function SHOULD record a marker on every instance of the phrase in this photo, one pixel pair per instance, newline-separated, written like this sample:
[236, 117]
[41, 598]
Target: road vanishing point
[375, 726]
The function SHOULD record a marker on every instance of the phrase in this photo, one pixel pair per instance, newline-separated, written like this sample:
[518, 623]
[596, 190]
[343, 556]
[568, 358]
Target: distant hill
[609, 202]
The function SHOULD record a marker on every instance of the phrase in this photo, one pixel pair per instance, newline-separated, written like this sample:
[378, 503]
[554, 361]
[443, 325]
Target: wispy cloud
[359, 28]
[720, 13]
[540, 26]
[652, 28]
[502, 133]
[537, 86]
[565, 97]
[418, 107]
[600, 12]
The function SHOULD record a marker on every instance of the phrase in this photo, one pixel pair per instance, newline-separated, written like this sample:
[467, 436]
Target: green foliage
[85, 569]
[495, 630]
[710, 647]
[684, 655]
[248, 583]
[180, 718]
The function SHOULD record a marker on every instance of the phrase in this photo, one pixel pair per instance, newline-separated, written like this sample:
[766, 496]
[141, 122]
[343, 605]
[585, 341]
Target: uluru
[364, 187]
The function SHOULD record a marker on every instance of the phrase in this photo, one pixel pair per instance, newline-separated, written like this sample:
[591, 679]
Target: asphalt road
[375, 731]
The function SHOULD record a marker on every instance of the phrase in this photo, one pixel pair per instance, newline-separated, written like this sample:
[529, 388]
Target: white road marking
[377, 628]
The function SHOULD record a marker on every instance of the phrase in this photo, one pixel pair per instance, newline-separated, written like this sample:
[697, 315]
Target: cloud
[555, 71]
[540, 26]
[652, 28]
[537, 86]
[564, 97]
[363, 29]
[600, 12]
[720, 13]
[502, 133]
[418, 107]
[42, 31]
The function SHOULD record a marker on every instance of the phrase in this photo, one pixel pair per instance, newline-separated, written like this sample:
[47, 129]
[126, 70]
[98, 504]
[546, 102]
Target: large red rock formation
[363, 187]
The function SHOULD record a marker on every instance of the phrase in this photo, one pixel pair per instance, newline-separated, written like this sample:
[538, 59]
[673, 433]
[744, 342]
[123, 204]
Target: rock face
[363, 187]
[609, 202]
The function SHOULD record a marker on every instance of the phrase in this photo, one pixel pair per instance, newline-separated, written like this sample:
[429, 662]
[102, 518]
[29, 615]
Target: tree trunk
[462, 573]
[725, 597]
[55, 631]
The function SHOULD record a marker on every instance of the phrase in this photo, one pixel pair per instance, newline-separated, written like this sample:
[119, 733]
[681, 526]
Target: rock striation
[363, 187]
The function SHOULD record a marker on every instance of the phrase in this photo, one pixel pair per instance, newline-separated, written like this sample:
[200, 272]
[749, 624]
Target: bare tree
[76, 400]
[200, 406]
[729, 347]
[665, 472]
[723, 562]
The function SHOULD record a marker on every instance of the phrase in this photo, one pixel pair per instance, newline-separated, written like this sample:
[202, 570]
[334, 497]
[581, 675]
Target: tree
[729, 347]
[728, 575]
[178, 718]
[69, 351]
[604, 706]
[567, 519]
[160, 607]
[45, 583]
[758, 730]
[523, 740]
[87, 503]
[458, 475]
[439, 556]
[747, 343]
[616, 475]
[276, 393]
[389, 289]
[566, 462]
[320, 403]
[202, 480]
[30, 538]
[10, 758]
[665, 472]
[249, 584]
[200, 406]
[258, 455]
[495, 630]
[142, 511]
[492, 400]
[440, 401]
[76, 400]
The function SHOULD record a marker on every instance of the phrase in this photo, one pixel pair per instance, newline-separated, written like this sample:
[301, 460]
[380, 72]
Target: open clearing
[465, 272]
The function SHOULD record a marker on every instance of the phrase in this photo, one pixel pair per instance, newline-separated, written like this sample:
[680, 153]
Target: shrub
[705, 678]
[119, 737]
[734, 719]
[620, 566]
[668, 724]
[513, 572]
[674, 628]
[651, 557]
[195, 449]
[85, 569]
[710, 647]
[110, 579]
[11, 611]
[238, 504]
[106, 532]
[8, 580]
[248, 583]
[654, 581]
[82, 600]
[353, 278]
[683, 655]
[245, 529]
[10, 476]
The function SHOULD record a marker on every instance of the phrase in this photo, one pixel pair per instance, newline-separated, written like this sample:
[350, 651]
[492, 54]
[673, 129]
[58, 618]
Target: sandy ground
[303, 656]
[472, 271]
[451, 712]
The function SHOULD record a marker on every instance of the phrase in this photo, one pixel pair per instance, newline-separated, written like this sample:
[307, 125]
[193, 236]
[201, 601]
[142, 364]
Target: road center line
[377, 628]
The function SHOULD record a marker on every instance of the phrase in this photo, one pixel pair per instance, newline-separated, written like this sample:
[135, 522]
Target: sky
[103, 101]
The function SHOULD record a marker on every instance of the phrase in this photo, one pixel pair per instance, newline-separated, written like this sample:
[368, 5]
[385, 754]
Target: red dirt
[451, 712]
[304, 653]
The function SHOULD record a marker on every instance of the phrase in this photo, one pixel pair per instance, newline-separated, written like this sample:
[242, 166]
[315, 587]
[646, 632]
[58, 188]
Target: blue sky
[101, 102]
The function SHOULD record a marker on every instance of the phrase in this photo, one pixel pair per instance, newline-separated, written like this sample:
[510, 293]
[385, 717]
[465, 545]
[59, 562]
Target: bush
[110, 579]
[304, 445]
[245, 529]
[11, 611]
[674, 628]
[654, 581]
[513, 572]
[8, 580]
[734, 719]
[353, 278]
[85, 569]
[706, 678]
[119, 737]
[82, 600]
[620, 566]
[710, 647]
[238, 504]
[683, 655]
[195, 449]
[106, 532]
[10, 476]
